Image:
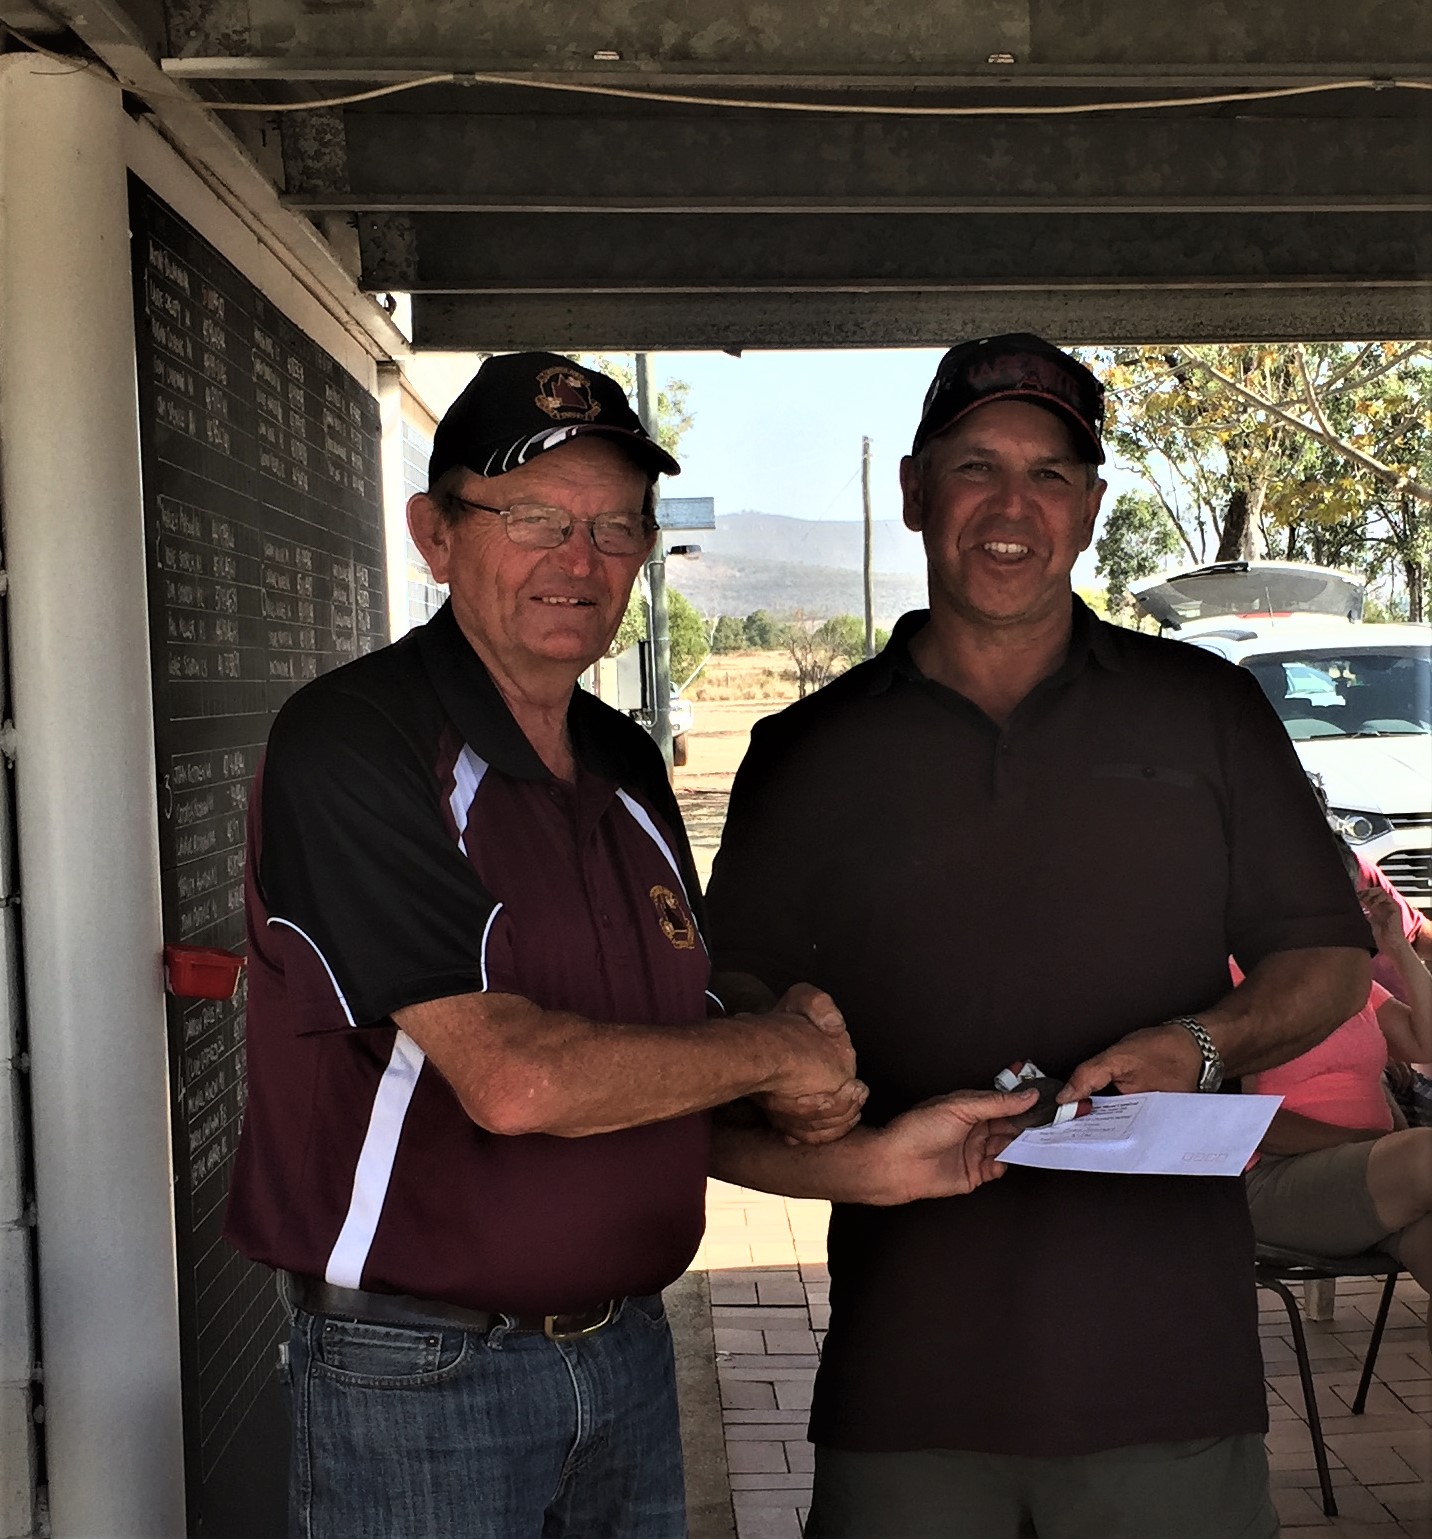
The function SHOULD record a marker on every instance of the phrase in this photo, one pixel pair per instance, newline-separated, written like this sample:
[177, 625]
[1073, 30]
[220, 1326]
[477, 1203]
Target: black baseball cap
[518, 405]
[1017, 366]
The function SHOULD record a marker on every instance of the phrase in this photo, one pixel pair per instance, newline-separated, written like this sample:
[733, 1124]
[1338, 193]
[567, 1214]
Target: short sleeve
[358, 865]
[1288, 889]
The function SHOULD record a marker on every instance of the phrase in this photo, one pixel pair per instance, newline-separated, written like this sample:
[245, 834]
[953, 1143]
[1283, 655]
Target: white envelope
[1156, 1133]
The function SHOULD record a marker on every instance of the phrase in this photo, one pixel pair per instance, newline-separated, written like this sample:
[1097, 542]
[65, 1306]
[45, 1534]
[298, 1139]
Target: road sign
[686, 513]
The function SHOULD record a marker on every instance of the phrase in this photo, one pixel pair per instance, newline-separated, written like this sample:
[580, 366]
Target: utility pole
[658, 619]
[869, 548]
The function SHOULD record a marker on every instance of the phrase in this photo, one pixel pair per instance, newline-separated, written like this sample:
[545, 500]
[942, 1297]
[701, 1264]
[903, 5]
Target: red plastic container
[201, 972]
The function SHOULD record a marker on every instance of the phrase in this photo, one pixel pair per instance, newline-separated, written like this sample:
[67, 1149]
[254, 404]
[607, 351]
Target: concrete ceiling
[519, 216]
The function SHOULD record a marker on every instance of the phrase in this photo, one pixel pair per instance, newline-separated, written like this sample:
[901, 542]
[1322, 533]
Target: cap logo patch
[566, 395]
[1024, 372]
[676, 924]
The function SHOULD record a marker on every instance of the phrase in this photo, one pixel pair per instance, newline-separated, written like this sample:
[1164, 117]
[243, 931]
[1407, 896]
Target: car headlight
[1358, 827]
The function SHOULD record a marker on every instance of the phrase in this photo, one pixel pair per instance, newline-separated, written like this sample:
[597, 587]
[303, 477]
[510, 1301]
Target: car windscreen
[1348, 692]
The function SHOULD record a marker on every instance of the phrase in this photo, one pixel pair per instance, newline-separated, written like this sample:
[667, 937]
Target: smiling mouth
[1005, 550]
[565, 603]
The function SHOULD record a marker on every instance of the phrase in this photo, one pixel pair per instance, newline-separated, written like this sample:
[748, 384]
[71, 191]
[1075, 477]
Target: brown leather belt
[316, 1297]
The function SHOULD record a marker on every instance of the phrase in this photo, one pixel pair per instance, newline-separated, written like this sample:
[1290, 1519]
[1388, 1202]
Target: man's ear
[1091, 511]
[431, 532]
[912, 510]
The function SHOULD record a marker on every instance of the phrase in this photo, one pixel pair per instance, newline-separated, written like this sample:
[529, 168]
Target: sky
[779, 432]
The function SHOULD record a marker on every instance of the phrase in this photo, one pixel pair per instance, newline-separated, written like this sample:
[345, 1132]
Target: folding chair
[1275, 1268]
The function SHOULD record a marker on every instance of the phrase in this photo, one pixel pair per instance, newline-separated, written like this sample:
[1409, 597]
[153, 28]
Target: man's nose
[578, 553]
[1009, 493]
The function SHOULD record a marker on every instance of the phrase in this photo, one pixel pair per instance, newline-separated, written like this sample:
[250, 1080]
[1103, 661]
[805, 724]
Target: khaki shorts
[1214, 1488]
[1317, 1202]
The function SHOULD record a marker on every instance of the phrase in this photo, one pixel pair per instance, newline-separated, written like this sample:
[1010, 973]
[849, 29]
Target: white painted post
[395, 496]
[89, 864]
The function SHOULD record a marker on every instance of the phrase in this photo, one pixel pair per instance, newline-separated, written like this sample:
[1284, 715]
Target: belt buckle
[550, 1331]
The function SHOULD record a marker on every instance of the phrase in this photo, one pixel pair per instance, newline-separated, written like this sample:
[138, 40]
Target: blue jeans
[404, 1433]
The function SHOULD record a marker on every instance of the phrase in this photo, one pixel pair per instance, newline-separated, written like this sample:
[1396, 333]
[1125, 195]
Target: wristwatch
[1210, 1076]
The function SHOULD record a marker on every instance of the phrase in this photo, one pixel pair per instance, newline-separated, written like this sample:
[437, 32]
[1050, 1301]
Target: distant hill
[717, 585]
[811, 542]
[756, 561]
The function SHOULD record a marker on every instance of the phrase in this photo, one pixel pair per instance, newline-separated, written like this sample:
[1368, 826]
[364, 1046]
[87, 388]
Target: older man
[1069, 1355]
[479, 1050]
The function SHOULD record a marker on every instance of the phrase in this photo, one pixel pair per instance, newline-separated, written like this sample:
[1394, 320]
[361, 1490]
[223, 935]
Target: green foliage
[823, 650]
[689, 643]
[633, 626]
[1298, 451]
[763, 631]
[1138, 539]
[673, 413]
[729, 635]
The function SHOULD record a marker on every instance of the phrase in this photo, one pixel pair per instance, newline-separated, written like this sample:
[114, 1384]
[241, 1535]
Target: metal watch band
[1211, 1075]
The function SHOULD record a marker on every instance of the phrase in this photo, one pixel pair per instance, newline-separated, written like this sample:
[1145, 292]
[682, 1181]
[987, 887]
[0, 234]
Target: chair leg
[1310, 1394]
[1370, 1361]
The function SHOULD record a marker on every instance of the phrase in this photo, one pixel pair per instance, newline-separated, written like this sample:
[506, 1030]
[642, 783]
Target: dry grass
[746, 676]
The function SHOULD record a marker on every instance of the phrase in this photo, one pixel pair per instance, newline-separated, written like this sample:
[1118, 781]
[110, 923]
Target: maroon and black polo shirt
[973, 894]
[406, 844]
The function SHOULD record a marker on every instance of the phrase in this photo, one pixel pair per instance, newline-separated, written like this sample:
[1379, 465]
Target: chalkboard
[266, 567]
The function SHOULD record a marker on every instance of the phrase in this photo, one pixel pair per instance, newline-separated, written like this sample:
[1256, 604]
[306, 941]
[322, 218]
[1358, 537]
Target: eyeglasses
[535, 527]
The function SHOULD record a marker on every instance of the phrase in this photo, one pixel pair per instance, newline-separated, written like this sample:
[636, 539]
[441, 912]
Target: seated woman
[1332, 1176]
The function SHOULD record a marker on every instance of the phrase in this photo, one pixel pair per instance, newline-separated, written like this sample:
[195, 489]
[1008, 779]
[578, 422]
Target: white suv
[1356, 699]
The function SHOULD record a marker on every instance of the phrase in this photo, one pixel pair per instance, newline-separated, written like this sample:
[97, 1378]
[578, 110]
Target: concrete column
[89, 866]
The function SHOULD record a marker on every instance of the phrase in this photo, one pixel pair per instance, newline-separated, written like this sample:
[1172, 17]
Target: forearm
[517, 1068]
[1417, 984]
[851, 1170]
[1287, 1004]
[1292, 1133]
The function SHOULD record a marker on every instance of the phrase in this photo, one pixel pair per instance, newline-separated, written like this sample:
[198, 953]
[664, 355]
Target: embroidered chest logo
[676, 924]
[566, 395]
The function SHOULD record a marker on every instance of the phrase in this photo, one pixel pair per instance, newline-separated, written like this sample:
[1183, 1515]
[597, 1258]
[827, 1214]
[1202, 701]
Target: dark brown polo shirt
[971, 895]
[406, 844]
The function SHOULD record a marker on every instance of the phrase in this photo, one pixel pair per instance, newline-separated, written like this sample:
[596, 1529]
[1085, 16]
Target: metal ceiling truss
[516, 215]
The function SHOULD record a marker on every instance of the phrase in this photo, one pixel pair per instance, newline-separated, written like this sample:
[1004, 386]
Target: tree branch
[1374, 467]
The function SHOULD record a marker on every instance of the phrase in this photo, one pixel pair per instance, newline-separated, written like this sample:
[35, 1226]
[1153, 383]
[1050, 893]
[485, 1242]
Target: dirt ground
[717, 741]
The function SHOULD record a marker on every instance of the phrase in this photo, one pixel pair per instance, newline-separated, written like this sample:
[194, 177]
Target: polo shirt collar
[482, 717]
[1089, 637]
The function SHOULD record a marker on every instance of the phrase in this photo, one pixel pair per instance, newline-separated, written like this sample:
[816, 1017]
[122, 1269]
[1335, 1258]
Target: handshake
[944, 1147]
[813, 1095]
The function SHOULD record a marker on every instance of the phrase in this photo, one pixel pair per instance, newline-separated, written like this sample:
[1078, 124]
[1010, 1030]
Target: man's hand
[804, 1110]
[1153, 1058]
[948, 1146]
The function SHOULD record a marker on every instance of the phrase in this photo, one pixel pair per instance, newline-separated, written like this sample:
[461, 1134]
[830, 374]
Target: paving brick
[765, 1496]
[783, 1288]
[732, 1288]
[730, 1338]
[801, 1457]
[794, 1342]
[768, 1523]
[1371, 1460]
[777, 1480]
[747, 1396]
[1298, 1509]
[747, 1457]
[758, 1318]
[1410, 1504]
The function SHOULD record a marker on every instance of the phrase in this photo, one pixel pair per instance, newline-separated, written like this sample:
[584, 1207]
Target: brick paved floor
[765, 1257]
